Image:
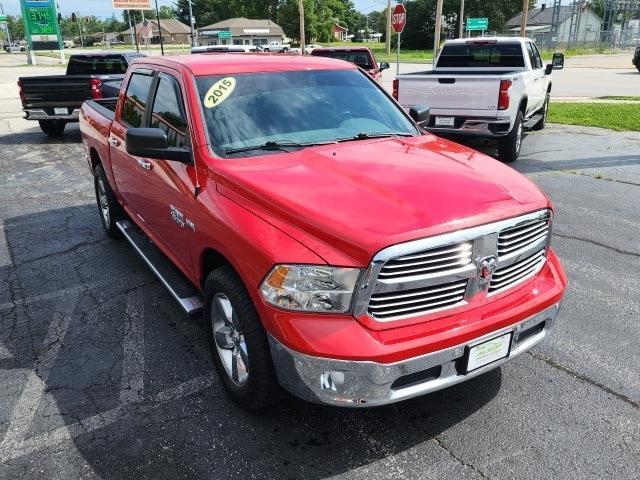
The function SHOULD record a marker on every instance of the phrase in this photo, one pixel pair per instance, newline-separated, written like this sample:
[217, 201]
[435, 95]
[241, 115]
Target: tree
[16, 28]
[167, 12]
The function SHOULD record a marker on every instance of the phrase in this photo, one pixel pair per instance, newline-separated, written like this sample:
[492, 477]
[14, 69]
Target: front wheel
[509, 146]
[52, 128]
[238, 342]
[545, 111]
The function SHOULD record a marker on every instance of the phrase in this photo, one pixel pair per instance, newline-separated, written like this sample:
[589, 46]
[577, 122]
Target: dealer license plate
[489, 351]
[445, 121]
[60, 110]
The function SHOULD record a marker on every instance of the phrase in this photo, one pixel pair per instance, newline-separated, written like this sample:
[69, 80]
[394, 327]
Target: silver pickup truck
[491, 88]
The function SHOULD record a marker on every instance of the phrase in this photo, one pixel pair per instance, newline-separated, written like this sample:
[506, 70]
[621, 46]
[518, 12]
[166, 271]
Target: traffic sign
[477, 24]
[399, 18]
[224, 34]
[3, 18]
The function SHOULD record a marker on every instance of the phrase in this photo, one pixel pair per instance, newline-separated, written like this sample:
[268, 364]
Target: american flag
[146, 29]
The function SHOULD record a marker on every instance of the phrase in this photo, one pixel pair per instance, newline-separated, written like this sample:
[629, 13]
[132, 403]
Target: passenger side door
[167, 186]
[126, 168]
[536, 99]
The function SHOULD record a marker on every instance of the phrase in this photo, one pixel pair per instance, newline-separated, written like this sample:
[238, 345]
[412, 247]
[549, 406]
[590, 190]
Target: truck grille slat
[522, 236]
[508, 276]
[441, 260]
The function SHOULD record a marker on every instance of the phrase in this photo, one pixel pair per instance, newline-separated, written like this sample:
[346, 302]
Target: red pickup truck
[360, 56]
[332, 246]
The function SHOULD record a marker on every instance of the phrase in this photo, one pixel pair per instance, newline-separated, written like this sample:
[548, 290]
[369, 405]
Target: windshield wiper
[275, 145]
[367, 136]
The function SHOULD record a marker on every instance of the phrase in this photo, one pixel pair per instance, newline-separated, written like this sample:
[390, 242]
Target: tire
[638, 67]
[509, 146]
[285, 50]
[238, 342]
[545, 111]
[109, 209]
[52, 128]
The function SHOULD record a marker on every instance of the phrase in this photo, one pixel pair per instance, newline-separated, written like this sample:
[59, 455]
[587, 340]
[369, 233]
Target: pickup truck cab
[276, 47]
[360, 56]
[333, 248]
[490, 88]
[54, 100]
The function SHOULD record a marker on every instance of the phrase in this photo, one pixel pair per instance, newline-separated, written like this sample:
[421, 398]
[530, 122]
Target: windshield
[301, 107]
[499, 55]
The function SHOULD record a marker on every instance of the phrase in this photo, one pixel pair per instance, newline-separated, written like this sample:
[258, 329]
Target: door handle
[114, 142]
[144, 164]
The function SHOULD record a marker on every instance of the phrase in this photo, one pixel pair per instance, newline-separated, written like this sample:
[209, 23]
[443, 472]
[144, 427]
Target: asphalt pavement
[103, 377]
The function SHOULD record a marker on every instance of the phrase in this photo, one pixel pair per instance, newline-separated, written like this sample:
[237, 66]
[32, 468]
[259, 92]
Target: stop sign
[399, 18]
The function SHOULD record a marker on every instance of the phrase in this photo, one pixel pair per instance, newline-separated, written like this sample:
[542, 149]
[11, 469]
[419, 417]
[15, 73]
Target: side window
[135, 99]
[168, 113]
[532, 57]
[536, 54]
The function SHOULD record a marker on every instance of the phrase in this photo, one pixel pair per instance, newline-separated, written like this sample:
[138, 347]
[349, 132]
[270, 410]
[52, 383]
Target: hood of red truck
[359, 197]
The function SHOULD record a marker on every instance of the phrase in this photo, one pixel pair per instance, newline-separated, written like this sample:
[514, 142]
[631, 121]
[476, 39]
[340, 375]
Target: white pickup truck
[491, 88]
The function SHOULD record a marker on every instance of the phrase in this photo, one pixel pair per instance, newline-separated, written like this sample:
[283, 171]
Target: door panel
[126, 171]
[167, 185]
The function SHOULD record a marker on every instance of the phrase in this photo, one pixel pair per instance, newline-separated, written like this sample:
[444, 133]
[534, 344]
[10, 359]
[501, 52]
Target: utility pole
[301, 10]
[388, 35]
[191, 22]
[159, 28]
[523, 18]
[436, 37]
[461, 20]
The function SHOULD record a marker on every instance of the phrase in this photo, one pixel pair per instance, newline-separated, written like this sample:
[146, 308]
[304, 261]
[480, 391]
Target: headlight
[310, 288]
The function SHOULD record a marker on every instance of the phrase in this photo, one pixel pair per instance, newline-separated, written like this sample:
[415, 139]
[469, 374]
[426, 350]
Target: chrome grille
[522, 237]
[510, 275]
[429, 275]
[418, 300]
[434, 261]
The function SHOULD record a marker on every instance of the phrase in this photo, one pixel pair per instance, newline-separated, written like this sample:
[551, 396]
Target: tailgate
[468, 95]
[53, 91]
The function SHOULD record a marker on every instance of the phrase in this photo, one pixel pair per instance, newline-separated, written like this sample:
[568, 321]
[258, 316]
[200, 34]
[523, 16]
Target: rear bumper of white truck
[473, 126]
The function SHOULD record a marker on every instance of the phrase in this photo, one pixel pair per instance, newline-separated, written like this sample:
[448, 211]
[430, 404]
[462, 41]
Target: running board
[179, 287]
[530, 123]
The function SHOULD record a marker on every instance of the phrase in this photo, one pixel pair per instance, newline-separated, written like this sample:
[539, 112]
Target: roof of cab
[208, 64]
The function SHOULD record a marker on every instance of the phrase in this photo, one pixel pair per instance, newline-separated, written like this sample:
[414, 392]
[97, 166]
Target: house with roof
[173, 31]
[339, 33]
[241, 31]
[539, 20]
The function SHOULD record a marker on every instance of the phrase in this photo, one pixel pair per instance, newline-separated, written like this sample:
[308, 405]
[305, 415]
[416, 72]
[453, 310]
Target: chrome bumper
[367, 384]
[39, 114]
[481, 127]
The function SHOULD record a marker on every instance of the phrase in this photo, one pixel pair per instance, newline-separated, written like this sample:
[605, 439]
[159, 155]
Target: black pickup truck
[636, 58]
[55, 100]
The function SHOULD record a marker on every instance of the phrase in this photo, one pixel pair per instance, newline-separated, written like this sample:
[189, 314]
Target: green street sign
[3, 18]
[41, 24]
[224, 34]
[477, 24]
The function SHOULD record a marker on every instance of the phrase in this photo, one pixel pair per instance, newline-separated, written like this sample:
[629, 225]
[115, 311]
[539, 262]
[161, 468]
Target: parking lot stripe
[104, 419]
[132, 383]
[25, 409]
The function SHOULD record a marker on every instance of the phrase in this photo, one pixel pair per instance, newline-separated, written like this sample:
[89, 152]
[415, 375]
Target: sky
[102, 8]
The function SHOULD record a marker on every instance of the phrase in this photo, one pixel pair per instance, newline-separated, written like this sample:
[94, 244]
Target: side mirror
[558, 61]
[152, 143]
[420, 114]
[383, 66]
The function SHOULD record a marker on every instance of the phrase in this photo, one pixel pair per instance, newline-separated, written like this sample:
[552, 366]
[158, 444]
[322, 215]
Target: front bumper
[365, 384]
[478, 127]
[41, 114]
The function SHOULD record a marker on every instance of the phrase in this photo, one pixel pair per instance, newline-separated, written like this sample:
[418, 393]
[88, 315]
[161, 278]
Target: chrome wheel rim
[103, 202]
[229, 340]
[518, 137]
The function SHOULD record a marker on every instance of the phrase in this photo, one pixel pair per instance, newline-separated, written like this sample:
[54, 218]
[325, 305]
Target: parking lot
[103, 376]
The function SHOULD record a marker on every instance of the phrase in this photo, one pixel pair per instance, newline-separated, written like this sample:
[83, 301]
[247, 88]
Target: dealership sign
[132, 4]
[41, 24]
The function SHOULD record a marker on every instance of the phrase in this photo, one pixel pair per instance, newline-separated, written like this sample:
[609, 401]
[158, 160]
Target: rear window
[481, 55]
[97, 65]
[361, 59]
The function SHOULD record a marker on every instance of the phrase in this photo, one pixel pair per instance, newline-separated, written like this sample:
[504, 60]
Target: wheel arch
[94, 158]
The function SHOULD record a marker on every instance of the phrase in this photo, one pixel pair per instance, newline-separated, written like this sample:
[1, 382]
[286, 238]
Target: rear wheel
[509, 146]
[108, 207]
[238, 341]
[52, 128]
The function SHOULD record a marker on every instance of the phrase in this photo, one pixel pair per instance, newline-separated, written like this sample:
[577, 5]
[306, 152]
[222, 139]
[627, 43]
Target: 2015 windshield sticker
[219, 92]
